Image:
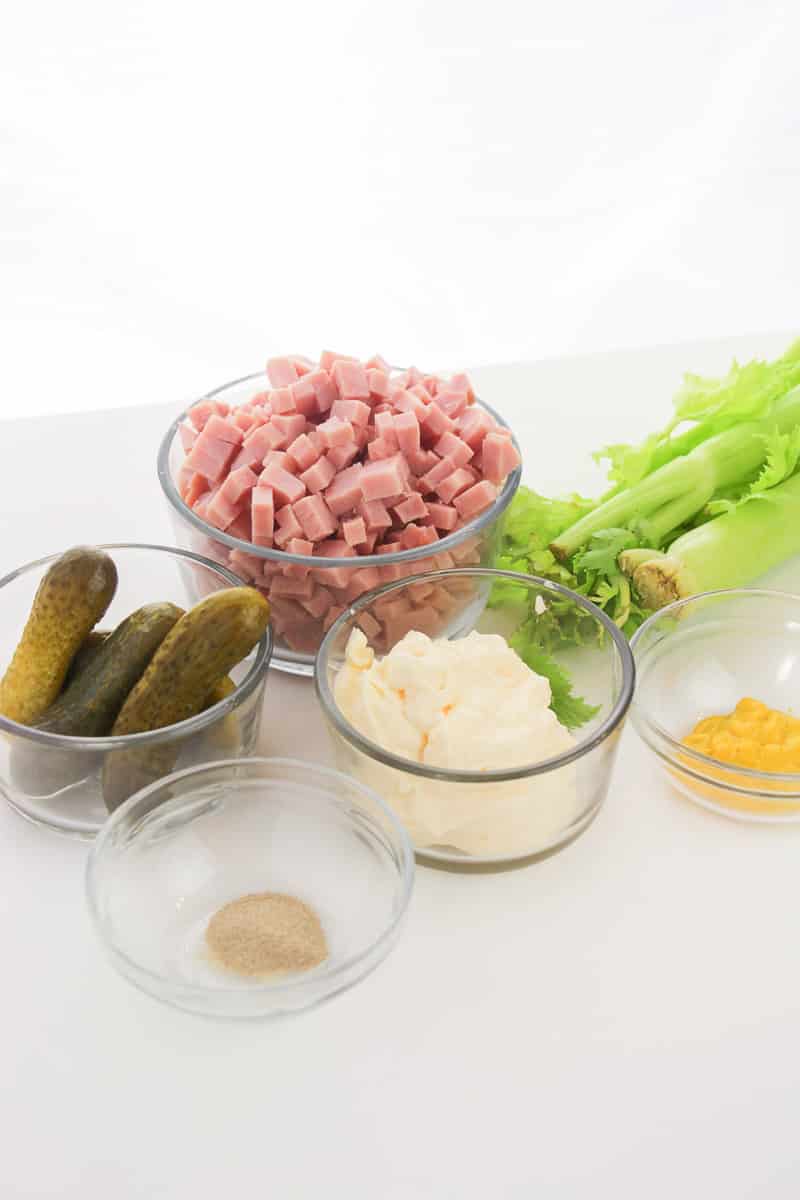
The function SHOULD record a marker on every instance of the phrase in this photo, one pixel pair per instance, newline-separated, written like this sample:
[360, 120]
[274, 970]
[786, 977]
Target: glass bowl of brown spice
[249, 888]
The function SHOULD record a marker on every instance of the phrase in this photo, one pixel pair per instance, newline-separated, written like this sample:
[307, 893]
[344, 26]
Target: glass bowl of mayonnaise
[484, 706]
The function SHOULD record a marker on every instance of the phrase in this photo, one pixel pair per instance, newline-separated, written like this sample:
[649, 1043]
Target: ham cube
[418, 535]
[302, 452]
[263, 515]
[256, 446]
[297, 570]
[367, 623]
[200, 413]
[287, 488]
[369, 543]
[378, 380]
[404, 401]
[281, 402]
[241, 527]
[435, 423]
[379, 363]
[315, 517]
[333, 576]
[443, 516]
[341, 456]
[354, 531]
[325, 390]
[210, 456]
[288, 427]
[452, 447]
[329, 357]
[304, 396]
[453, 484]
[288, 526]
[335, 432]
[354, 411]
[364, 579]
[375, 514]
[468, 504]
[222, 511]
[411, 509]
[188, 436]
[318, 603]
[196, 487]
[384, 424]
[281, 372]
[414, 376]
[380, 448]
[380, 480]
[453, 403]
[246, 566]
[435, 476]
[245, 420]
[499, 457]
[474, 425]
[461, 383]
[332, 615]
[224, 430]
[345, 491]
[351, 380]
[238, 484]
[319, 476]
[406, 426]
[287, 586]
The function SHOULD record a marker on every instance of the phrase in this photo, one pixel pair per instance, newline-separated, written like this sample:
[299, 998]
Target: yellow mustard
[755, 737]
[752, 736]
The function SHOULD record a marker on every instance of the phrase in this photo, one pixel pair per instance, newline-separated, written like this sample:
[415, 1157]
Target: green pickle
[180, 681]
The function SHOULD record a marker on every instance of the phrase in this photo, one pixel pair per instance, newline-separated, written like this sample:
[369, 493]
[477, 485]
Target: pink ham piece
[241, 527]
[354, 531]
[287, 488]
[443, 516]
[304, 396]
[453, 403]
[436, 422]
[404, 401]
[407, 431]
[318, 602]
[263, 515]
[316, 518]
[188, 436]
[381, 448]
[380, 480]
[256, 446]
[335, 432]
[475, 499]
[378, 380]
[288, 526]
[329, 357]
[282, 401]
[499, 457]
[384, 424]
[318, 477]
[376, 515]
[333, 577]
[288, 427]
[411, 509]
[450, 487]
[474, 425]
[351, 380]
[342, 456]
[345, 492]
[453, 448]
[303, 452]
[281, 372]
[210, 456]
[354, 411]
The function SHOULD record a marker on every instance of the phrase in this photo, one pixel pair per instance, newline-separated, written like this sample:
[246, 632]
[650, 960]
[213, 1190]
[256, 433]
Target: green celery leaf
[571, 710]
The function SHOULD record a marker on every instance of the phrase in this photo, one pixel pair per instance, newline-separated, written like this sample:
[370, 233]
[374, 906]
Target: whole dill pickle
[189, 664]
[70, 600]
[90, 704]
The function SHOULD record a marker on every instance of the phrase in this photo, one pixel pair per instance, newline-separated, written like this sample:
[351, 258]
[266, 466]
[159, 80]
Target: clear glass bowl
[57, 781]
[169, 857]
[697, 658]
[493, 816]
[296, 646]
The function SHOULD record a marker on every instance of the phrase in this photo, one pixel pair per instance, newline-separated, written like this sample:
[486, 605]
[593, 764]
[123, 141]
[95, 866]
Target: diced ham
[364, 579]
[222, 511]
[354, 531]
[316, 518]
[468, 504]
[450, 487]
[452, 447]
[303, 452]
[331, 616]
[341, 456]
[329, 357]
[378, 380]
[369, 625]
[287, 488]
[318, 603]
[263, 515]
[281, 372]
[381, 448]
[354, 411]
[285, 585]
[345, 491]
[196, 487]
[281, 458]
[435, 476]
[384, 424]
[210, 456]
[335, 432]
[499, 459]
[378, 362]
[256, 446]
[325, 390]
[281, 401]
[241, 527]
[404, 401]
[444, 516]
[245, 420]
[411, 509]
[453, 403]
[375, 514]
[288, 526]
[474, 425]
[436, 422]
[460, 383]
[318, 477]
[288, 427]
[246, 566]
[188, 436]
[407, 431]
[382, 479]
[351, 380]
[418, 535]
[304, 396]
[333, 576]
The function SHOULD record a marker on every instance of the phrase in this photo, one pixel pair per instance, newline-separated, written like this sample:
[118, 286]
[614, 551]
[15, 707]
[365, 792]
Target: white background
[187, 188]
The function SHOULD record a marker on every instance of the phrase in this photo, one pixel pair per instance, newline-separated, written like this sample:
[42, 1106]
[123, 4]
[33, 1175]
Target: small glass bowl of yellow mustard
[718, 700]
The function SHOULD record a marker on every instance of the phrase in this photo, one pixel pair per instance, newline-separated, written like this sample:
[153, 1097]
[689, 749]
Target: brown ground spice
[266, 933]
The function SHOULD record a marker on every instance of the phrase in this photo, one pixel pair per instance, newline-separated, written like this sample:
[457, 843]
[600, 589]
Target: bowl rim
[487, 517]
[645, 724]
[168, 733]
[406, 873]
[447, 774]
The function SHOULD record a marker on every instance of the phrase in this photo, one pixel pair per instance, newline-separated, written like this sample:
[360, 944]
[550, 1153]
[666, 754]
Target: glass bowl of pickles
[718, 678]
[119, 664]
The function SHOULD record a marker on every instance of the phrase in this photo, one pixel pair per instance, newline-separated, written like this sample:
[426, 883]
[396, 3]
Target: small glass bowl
[297, 634]
[57, 781]
[491, 817]
[697, 658]
[173, 854]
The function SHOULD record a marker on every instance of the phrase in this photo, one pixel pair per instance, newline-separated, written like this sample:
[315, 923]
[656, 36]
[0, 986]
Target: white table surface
[620, 1020]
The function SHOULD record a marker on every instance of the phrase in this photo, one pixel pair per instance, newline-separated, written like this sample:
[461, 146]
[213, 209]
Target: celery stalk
[729, 551]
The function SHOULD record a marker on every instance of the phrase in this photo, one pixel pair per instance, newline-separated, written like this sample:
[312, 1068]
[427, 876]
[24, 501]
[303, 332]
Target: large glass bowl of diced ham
[316, 481]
